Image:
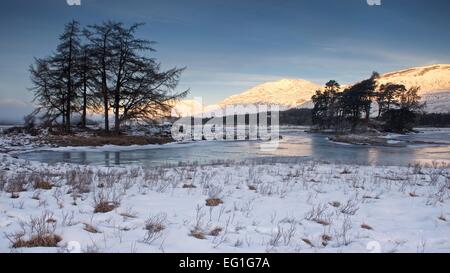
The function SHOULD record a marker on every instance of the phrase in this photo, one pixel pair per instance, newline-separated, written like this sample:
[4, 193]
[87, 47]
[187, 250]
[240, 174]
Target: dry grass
[252, 188]
[51, 221]
[128, 215]
[371, 197]
[213, 202]
[308, 242]
[335, 204]
[2, 180]
[43, 185]
[189, 186]
[442, 218]
[38, 232]
[155, 225]
[90, 228]
[46, 240]
[326, 238]
[323, 222]
[366, 226]
[17, 183]
[215, 232]
[105, 207]
[198, 234]
[413, 194]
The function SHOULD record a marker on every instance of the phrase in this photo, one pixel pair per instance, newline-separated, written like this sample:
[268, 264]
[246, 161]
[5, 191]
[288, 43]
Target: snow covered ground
[235, 207]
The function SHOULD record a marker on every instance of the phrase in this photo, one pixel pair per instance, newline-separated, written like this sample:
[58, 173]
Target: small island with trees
[363, 112]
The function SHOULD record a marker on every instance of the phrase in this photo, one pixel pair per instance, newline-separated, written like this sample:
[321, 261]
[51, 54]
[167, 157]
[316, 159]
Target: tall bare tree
[66, 58]
[85, 68]
[48, 91]
[100, 46]
[140, 88]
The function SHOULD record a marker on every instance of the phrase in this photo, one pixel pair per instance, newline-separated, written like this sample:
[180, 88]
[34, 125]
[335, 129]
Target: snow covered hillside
[285, 92]
[434, 83]
[431, 79]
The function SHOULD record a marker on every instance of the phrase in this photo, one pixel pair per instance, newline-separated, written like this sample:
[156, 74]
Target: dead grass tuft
[17, 183]
[155, 225]
[215, 232]
[51, 221]
[38, 232]
[189, 186]
[413, 194]
[335, 204]
[90, 228]
[43, 185]
[105, 207]
[46, 240]
[198, 234]
[326, 238]
[128, 215]
[322, 222]
[366, 226]
[308, 242]
[213, 202]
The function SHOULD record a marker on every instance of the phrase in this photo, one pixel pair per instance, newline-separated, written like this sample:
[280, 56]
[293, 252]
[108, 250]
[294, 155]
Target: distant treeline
[434, 120]
[303, 117]
[288, 117]
[296, 117]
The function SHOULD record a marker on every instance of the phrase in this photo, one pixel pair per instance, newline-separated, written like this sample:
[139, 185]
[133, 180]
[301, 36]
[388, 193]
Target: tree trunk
[68, 116]
[85, 81]
[83, 118]
[106, 106]
[64, 117]
[117, 114]
[69, 85]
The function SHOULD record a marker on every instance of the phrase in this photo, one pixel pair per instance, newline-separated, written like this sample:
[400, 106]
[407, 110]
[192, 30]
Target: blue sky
[231, 45]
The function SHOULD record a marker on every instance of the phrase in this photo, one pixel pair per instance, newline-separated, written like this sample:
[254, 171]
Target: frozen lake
[296, 145]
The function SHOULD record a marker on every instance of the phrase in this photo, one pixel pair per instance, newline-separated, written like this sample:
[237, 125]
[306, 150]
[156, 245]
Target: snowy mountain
[431, 79]
[434, 83]
[286, 92]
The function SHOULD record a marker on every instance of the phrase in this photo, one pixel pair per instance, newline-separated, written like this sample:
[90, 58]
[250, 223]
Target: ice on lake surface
[430, 145]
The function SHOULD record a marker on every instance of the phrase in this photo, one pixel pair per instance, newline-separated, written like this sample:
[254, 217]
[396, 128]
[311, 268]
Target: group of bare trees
[341, 110]
[102, 69]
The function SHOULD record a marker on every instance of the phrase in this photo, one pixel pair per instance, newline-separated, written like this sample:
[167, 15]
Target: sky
[229, 46]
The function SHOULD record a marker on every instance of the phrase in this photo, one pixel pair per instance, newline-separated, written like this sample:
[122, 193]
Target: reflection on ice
[295, 145]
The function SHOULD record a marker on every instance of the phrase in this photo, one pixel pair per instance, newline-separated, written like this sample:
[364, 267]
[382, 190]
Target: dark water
[296, 145]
